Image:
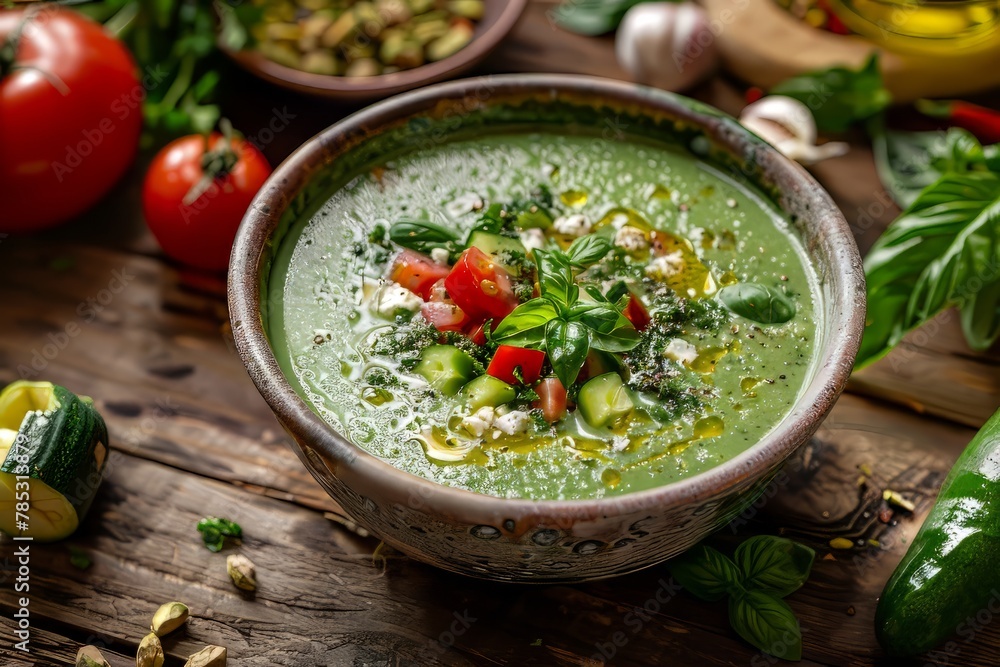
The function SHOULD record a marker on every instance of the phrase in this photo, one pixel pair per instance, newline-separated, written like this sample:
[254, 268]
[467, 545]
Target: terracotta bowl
[498, 20]
[524, 540]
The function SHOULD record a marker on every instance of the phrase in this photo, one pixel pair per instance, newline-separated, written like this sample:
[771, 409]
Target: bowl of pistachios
[359, 50]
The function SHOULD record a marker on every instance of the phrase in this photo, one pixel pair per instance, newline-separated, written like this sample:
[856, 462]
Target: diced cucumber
[496, 245]
[446, 368]
[535, 216]
[604, 400]
[487, 390]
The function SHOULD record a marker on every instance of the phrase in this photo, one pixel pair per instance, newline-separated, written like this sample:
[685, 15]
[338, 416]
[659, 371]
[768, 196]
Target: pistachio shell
[210, 656]
[90, 656]
[242, 571]
[169, 617]
[150, 653]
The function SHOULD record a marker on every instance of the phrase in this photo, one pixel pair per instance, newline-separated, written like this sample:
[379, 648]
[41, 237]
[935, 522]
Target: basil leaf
[908, 162]
[766, 622]
[423, 236]
[492, 220]
[610, 331]
[526, 324]
[555, 277]
[759, 303]
[942, 251]
[588, 250]
[706, 573]
[592, 17]
[567, 345]
[839, 97]
[775, 564]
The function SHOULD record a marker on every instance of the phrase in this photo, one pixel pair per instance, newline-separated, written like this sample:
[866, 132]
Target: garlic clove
[789, 126]
[666, 44]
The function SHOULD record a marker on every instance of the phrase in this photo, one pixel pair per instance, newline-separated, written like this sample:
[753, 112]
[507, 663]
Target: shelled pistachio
[360, 38]
[210, 656]
[242, 571]
[168, 618]
[90, 656]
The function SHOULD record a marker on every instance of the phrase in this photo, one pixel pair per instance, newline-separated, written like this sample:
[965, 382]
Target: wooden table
[193, 437]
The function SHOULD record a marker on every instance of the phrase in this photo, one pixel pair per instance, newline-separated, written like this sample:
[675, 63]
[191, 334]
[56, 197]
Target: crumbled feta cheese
[680, 350]
[512, 423]
[532, 239]
[390, 298]
[440, 256]
[619, 443]
[666, 266]
[572, 225]
[480, 422]
[470, 201]
[631, 239]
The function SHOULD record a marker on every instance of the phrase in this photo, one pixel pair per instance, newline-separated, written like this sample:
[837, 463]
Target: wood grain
[193, 437]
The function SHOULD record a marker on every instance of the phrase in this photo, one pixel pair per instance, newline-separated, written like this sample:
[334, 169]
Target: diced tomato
[477, 333]
[637, 314]
[551, 399]
[438, 292]
[481, 287]
[508, 357]
[445, 316]
[416, 272]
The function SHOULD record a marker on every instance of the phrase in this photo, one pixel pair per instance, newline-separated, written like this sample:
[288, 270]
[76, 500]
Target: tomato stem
[8, 50]
[215, 164]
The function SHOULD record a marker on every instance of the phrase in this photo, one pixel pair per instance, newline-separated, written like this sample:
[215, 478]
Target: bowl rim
[356, 466]
[480, 47]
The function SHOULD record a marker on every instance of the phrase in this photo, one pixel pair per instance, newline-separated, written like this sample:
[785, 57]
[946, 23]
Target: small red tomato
[481, 287]
[228, 174]
[445, 316]
[636, 313]
[477, 333]
[418, 273]
[507, 358]
[551, 399]
[70, 115]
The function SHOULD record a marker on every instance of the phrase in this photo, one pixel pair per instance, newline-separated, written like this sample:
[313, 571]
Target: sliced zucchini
[53, 463]
[603, 400]
[497, 246]
[446, 368]
[487, 390]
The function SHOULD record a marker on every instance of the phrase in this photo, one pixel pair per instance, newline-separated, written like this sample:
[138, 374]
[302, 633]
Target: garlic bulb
[788, 125]
[666, 44]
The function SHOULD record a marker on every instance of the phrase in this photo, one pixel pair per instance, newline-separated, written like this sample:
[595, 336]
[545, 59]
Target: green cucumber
[603, 400]
[949, 573]
[446, 368]
[54, 462]
[497, 246]
[487, 390]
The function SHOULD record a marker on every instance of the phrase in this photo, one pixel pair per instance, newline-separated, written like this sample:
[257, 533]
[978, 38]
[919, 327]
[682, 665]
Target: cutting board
[763, 44]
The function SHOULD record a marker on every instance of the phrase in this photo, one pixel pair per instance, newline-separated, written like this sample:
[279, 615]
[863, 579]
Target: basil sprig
[592, 17]
[559, 322]
[942, 251]
[839, 97]
[766, 569]
[908, 162]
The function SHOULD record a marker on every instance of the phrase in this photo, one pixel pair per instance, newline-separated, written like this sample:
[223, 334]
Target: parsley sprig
[560, 322]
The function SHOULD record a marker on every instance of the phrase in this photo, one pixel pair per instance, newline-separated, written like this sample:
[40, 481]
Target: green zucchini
[949, 573]
[54, 446]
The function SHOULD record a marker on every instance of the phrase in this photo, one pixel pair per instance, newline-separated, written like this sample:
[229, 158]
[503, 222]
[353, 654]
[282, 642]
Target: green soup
[726, 350]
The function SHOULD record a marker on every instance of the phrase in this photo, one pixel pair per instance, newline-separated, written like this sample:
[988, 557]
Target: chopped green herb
[78, 558]
[214, 531]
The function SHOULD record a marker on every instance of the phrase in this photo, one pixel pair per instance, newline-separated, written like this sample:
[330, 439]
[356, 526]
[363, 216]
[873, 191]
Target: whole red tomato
[199, 231]
[70, 115]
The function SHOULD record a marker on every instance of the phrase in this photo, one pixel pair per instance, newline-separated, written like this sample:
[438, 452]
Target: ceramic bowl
[525, 540]
[499, 18]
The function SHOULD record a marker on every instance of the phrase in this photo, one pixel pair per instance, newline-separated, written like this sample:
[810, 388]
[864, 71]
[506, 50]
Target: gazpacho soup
[546, 315]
